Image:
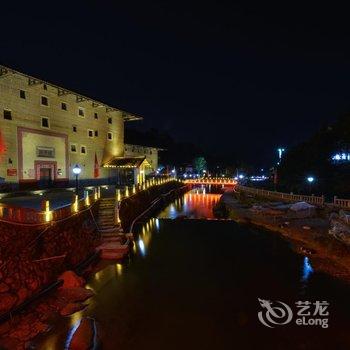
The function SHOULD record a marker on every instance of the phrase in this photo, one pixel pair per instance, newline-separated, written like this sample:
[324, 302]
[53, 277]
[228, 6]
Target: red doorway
[45, 172]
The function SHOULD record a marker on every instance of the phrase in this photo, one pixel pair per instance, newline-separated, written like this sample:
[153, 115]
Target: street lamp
[280, 154]
[310, 180]
[76, 172]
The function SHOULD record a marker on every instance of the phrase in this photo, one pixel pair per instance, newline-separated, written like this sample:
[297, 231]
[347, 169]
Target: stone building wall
[24, 101]
[32, 257]
[151, 154]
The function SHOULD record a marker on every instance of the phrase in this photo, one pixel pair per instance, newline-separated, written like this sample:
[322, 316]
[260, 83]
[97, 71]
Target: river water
[193, 283]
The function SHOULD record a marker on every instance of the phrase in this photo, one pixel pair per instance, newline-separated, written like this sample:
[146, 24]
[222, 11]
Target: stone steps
[112, 248]
[106, 215]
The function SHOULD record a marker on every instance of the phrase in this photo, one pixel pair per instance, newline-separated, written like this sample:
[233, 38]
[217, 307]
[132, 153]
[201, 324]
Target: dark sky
[233, 77]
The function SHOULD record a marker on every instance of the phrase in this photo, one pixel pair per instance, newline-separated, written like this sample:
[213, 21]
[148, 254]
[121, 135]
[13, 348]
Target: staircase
[114, 244]
[106, 216]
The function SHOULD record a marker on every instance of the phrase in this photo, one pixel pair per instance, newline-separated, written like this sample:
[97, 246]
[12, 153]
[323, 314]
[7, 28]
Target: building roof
[143, 146]
[62, 91]
[126, 162]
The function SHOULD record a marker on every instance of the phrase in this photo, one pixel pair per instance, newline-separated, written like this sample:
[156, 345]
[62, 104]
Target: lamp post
[310, 180]
[76, 172]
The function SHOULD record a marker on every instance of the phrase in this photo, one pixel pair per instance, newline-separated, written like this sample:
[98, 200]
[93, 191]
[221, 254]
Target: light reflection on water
[307, 269]
[196, 204]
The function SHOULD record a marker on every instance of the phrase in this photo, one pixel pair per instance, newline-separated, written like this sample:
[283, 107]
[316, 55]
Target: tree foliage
[200, 164]
[314, 158]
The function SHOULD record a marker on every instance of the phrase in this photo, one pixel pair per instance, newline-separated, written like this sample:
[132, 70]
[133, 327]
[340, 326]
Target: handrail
[289, 197]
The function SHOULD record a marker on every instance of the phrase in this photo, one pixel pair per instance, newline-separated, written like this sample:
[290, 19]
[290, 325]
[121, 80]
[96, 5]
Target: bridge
[225, 181]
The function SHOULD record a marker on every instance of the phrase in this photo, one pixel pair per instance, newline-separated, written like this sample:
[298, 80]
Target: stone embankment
[32, 256]
[310, 231]
[135, 205]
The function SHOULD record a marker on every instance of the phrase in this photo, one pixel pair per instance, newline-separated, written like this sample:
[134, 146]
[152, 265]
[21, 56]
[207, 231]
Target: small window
[73, 148]
[109, 136]
[45, 87]
[83, 150]
[7, 114]
[109, 120]
[22, 94]
[90, 133]
[96, 115]
[75, 128]
[81, 112]
[64, 106]
[96, 133]
[45, 122]
[44, 101]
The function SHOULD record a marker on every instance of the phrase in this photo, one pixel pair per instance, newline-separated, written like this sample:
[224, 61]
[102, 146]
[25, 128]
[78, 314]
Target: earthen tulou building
[47, 130]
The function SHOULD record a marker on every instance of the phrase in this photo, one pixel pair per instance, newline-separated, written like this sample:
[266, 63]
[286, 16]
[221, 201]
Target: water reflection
[142, 247]
[196, 204]
[168, 251]
[307, 269]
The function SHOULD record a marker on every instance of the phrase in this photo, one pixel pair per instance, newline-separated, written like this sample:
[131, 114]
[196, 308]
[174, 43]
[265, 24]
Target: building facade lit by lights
[45, 130]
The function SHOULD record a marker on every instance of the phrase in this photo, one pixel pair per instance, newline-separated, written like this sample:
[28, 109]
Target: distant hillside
[314, 158]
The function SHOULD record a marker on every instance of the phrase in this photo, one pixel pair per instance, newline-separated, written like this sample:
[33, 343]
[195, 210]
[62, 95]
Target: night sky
[234, 78]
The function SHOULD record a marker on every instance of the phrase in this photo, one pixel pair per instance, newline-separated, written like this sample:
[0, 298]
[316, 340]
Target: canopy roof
[127, 162]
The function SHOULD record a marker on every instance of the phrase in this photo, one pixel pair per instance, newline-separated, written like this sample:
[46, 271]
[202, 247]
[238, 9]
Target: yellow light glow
[75, 204]
[119, 268]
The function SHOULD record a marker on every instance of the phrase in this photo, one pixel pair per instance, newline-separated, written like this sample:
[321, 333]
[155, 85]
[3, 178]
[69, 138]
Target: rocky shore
[70, 297]
[311, 235]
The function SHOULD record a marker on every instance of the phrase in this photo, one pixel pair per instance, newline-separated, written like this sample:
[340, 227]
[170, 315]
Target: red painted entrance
[45, 172]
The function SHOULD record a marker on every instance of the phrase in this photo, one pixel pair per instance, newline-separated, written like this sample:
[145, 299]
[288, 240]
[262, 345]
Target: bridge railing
[288, 197]
[212, 181]
[341, 203]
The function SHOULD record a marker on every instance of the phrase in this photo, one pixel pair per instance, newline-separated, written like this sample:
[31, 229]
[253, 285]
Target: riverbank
[40, 314]
[309, 236]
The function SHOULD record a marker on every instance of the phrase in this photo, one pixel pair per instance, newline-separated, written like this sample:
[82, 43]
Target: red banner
[2, 144]
[96, 168]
